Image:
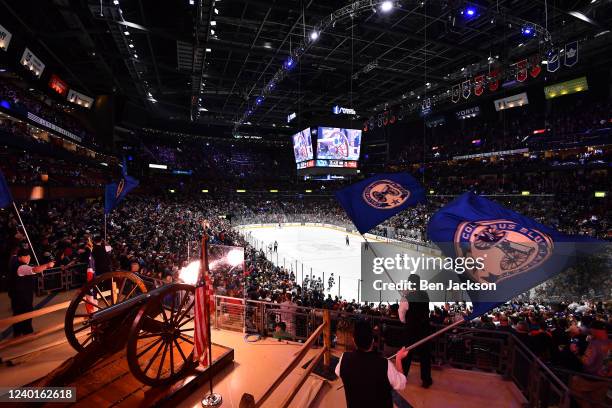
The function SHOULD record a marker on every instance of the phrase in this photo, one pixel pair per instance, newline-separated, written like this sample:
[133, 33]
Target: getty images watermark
[386, 269]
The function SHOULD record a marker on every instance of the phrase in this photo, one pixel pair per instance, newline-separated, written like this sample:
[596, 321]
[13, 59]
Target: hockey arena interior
[306, 203]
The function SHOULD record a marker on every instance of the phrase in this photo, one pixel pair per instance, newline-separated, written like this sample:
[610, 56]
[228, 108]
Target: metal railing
[492, 351]
[58, 279]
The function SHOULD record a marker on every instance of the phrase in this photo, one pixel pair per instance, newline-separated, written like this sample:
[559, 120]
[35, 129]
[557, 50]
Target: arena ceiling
[172, 65]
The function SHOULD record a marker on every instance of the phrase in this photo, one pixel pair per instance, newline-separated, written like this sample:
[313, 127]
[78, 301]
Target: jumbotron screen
[302, 146]
[338, 143]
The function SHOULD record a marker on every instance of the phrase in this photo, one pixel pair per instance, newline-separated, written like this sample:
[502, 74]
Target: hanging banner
[521, 70]
[30, 61]
[58, 85]
[534, 64]
[566, 88]
[479, 85]
[571, 54]
[5, 38]
[80, 99]
[511, 101]
[493, 79]
[456, 93]
[552, 57]
[466, 89]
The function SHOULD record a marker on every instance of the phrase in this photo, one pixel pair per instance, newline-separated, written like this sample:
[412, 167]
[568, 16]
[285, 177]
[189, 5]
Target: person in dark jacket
[369, 379]
[22, 289]
[414, 313]
[101, 259]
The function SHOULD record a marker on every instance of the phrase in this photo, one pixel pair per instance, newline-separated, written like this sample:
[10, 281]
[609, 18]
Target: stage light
[235, 257]
[259, 100]
[470, 12]
[525, 193]
[386, 6]
[213, 23]
[189, 274]
[528, 31]
[126, 33]
[289, 63]
[208, 50]
[205, 191]
[131, 45]
[216, 11]
[212, 32]
[314, 35]
[116, 2]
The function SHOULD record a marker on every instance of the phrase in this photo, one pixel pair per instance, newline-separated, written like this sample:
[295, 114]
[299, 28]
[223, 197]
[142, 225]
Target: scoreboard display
[337, 150]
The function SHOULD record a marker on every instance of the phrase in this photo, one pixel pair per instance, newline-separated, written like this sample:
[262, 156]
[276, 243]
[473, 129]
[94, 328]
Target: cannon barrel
[124, 307]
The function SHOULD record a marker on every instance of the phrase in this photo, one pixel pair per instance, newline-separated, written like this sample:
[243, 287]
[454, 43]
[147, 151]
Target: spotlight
[527, 31]
[470, 12]
[116, 2]
[314, 35]
[259, 100]
[289, 63]
[386, 6]
[126, 33]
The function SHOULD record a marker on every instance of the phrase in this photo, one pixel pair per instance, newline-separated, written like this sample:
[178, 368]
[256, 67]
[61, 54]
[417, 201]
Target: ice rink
[316, 250]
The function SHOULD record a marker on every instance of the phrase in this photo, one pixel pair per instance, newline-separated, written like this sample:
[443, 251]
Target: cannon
[115, 311]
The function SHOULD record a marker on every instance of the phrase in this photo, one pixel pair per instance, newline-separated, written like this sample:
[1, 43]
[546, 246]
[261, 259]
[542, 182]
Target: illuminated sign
[339, 110]
[468, 113]
[158, 166]
[337, 163]
[511, 101]
[490, 154]
[31, 62]
[58, 85]
[53, 127]
[79, 98]
[291, 116]
[566, 88]
[306, 164]
[5, 38]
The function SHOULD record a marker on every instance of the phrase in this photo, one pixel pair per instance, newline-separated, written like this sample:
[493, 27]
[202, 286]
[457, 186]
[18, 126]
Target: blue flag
[516, 252]
[373, 200]
[115, 192]
[5, 194]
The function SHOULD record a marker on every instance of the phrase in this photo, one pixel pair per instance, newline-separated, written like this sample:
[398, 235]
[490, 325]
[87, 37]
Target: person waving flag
[376, 199]
[512, 251]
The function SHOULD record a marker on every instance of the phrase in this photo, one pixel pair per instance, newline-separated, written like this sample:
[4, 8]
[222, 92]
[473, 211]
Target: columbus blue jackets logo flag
[116, 191]
[375, 199]
[519, 253]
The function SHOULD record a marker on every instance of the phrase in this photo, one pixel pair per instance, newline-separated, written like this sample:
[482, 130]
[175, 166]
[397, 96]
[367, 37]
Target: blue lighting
[470, 12]
[527, 31]
[289, 63]
[5, 104]
[259, 100]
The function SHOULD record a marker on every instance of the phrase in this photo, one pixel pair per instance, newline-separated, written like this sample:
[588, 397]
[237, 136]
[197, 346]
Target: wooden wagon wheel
[160, 344]
[103, 291]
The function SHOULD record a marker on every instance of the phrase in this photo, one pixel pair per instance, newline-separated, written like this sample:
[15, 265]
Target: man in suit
[414, 313]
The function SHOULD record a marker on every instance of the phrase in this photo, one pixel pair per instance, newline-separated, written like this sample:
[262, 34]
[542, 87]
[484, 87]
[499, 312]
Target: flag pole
[26, 233]
[212, 399]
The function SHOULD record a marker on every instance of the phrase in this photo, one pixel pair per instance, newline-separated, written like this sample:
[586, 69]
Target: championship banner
[30, 61]
[456, 93]
[5, 38]
[552, 57]
[571, 54]
[534, 64]
[493, 80]
[79, 98]
[479, 85]
[466, 89]
[521, 70]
